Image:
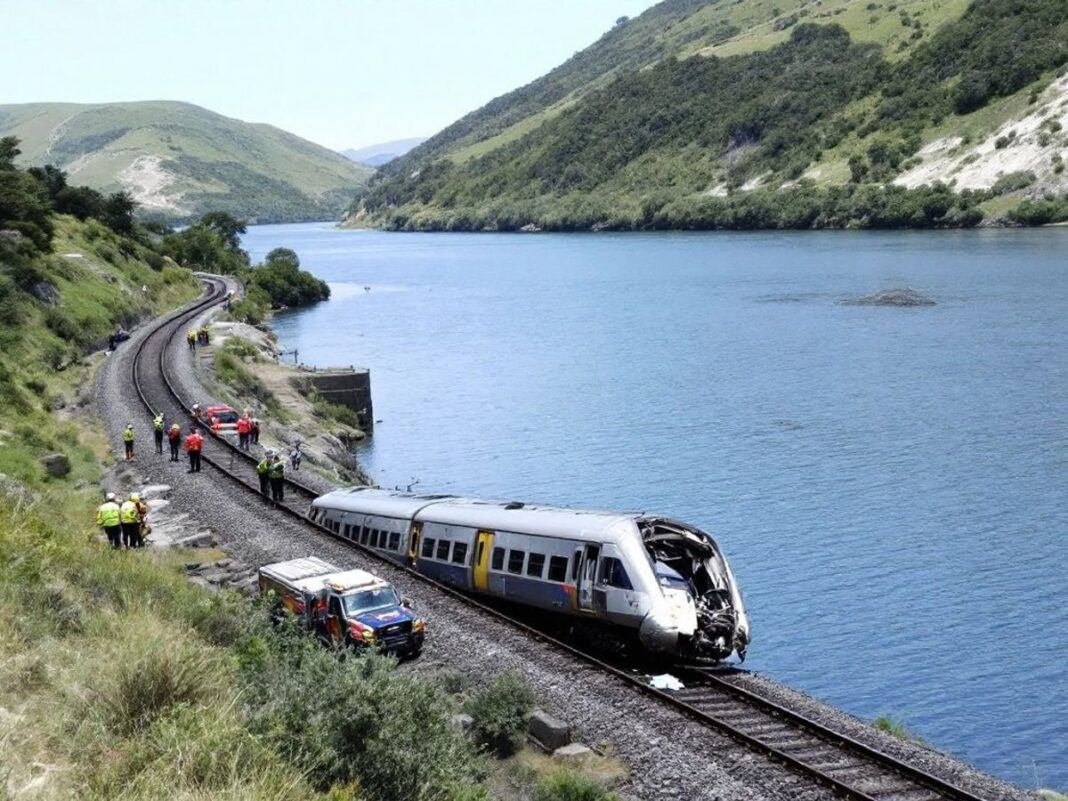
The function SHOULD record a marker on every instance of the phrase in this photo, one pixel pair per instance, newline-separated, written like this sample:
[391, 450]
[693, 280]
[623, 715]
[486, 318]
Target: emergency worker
[157, 431]
[263, 472]
[128, 441]
[277, 472]
[174, 439]
[243, 428]
[194, 444]
[142, 517]
[254, 430]
[196, 411]
[130, 522]
[107, 517]
[191, 339]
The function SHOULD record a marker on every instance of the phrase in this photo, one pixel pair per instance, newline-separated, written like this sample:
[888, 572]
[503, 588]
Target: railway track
[849, 768]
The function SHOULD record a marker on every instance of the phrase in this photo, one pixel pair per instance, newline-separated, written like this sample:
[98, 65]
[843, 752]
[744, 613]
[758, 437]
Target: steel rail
[214, 291]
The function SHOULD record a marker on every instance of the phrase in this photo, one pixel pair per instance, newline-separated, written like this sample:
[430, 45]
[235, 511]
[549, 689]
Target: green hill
[761, 113]
[179, 160]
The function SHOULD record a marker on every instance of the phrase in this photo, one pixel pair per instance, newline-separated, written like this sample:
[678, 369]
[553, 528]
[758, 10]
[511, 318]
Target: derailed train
[663, 580]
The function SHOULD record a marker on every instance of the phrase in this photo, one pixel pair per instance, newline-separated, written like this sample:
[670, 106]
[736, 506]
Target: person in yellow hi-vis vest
[157, 431]
[127, 442]
[130, 520]
[107, 517]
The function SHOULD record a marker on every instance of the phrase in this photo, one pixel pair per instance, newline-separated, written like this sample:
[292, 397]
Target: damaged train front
[700, 614]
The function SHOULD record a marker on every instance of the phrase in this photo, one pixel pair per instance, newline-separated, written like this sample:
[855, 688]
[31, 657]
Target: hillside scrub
[660, 132]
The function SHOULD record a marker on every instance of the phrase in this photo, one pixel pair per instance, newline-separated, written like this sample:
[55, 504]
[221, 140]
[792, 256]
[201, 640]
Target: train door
[483, 547]
[587, 574]
[413, 542]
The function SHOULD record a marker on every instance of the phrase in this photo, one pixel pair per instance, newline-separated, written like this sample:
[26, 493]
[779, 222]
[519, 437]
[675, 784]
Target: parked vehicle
[225, 415]
[664, 581]
[344, 607]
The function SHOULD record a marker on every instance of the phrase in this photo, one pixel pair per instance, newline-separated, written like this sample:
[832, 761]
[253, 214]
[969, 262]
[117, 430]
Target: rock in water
[891, 297]
[57, 464]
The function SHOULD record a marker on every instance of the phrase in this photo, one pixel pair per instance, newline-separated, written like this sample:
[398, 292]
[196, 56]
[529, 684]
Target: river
[890, 484]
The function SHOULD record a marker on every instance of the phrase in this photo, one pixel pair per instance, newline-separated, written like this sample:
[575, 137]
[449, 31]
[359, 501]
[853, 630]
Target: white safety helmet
[110, 496]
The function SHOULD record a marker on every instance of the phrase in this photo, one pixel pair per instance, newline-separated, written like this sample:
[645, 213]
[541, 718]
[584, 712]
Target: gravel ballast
[668, 754]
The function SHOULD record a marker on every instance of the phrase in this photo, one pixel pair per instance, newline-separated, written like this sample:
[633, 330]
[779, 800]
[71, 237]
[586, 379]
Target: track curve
[822, 755]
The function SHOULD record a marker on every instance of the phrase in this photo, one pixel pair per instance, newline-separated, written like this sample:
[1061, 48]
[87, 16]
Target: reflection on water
[889, 483]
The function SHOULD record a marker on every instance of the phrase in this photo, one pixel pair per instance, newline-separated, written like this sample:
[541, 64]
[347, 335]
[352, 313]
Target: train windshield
[367, 600]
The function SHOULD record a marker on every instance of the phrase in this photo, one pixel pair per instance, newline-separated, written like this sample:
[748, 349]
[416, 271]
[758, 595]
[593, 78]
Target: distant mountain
[377, 155]
[180, 160]
[749, 114]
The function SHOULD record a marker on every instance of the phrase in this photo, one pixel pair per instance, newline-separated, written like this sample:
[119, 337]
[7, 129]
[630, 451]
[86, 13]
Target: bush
[356, 720]
[892, 726]
[501, 712]
[1013, 182]
[570, 786]
[167, 673]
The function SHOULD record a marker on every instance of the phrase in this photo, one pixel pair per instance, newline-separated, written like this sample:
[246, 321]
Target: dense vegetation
[200, 161]
[683, 142]
[213, 244]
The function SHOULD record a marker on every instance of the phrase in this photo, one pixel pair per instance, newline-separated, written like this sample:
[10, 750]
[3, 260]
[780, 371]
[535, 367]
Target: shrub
[501, 712]
[892, 726]
[357, 721]
[571, 786]
[1013, 182]
[140, 690]
[1001, 142]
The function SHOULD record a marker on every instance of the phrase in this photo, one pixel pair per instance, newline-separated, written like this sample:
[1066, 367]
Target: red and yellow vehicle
[344, 607]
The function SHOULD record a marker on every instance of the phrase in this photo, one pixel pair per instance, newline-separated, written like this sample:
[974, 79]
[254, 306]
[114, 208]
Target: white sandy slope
[979, 165]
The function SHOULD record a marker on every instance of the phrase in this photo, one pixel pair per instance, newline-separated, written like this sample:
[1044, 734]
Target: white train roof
[471, 512]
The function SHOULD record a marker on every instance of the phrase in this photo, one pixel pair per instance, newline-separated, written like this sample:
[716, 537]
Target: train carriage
[663, 580]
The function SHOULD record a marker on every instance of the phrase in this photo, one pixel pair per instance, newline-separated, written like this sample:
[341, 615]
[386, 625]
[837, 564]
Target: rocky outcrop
[891, 297]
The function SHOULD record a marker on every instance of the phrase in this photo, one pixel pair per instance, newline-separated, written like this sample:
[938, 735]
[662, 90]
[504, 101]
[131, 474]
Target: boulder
[462, 722]
[46, 292]
[575, 752]
[155, 491]
[551, 732]
[57, 464]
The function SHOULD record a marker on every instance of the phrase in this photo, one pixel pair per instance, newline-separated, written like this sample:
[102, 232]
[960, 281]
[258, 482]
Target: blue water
[891, 484]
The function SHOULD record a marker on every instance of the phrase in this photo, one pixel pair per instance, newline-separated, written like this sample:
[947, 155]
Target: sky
[341, 73]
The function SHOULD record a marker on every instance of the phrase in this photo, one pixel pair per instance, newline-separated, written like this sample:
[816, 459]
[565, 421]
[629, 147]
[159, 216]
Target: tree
[9, 149]
[858, 168]
[228, 227]
[25, 207]
[118, 212]
[79, 201]
[52, 178]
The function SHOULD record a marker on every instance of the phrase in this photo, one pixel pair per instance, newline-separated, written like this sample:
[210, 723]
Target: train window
[613, 574]
[365, 533]
[394, 540]
[348, 531]
[557, 568]
[535, 564]
[459, 553]
[443, 550]
[428, 547]
[515, 561]
[498, 558]
[575, 565]
[337, 526]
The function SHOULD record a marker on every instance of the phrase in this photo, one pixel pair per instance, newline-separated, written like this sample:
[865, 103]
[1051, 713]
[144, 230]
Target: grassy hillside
[760, 113]
[179, 160]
